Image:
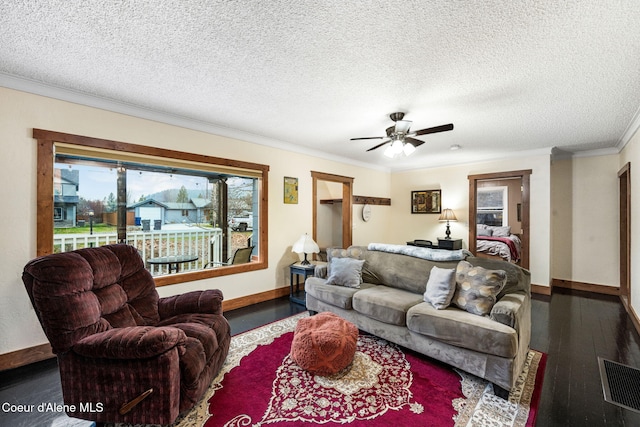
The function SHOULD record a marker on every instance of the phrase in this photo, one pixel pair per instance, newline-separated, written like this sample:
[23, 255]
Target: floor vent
[620, 383]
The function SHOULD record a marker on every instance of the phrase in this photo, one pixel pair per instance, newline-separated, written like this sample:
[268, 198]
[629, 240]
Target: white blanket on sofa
[420, 252]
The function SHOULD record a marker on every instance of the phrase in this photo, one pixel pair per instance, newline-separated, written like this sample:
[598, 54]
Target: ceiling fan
[401, 138]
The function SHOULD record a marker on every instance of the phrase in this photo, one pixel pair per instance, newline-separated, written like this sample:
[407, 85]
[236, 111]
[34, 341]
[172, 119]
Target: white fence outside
[206, 244]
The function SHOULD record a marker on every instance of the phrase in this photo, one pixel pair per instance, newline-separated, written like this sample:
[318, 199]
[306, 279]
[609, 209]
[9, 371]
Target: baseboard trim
[631, 312]
[228, 305]
[25, 356]
[587, 287]
[539, 289]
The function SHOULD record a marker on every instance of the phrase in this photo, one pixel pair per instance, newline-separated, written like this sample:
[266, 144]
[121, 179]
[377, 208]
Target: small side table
[450, 244]
[298, 270]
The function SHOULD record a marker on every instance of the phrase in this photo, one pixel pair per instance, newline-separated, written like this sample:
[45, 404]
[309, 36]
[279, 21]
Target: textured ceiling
[511, 76]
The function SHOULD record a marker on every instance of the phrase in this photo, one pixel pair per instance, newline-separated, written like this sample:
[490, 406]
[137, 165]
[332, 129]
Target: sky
[96, 183]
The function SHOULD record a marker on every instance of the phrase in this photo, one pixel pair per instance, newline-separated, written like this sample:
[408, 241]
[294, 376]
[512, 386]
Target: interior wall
[454, 184]
[329, 221]
[631, 154]
[20, 112]
[561, 218]
[585, 220]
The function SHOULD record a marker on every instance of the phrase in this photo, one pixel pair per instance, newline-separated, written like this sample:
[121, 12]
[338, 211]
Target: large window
[178, 209]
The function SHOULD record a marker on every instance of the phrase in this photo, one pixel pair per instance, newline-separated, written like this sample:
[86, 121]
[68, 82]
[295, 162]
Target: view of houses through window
[169, 214]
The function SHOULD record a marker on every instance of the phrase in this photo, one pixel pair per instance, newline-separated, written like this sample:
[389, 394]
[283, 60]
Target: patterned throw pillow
[345, 272]
[477, 288]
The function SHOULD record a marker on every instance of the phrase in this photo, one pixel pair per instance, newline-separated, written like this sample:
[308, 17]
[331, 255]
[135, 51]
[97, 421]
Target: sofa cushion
[338, 296]
[462, 329]
[345, 272]
[388, 305]
[477, 288]
[440, 287]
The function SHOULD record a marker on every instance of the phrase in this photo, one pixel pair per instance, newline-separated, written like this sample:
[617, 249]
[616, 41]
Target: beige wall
[585, 220]
[568, 199]
[631, 154]
[21, 112]
[455, 189]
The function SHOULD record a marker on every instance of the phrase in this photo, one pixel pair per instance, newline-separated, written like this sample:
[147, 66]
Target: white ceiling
[514, 77]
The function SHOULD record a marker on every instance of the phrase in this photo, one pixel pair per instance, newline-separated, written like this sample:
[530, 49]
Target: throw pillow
[346, 272]
[477, 288]
[501, 231]
[484, 231]
[440, 287]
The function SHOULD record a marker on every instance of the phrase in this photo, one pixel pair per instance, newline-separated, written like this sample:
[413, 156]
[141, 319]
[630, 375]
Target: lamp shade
[305, 245]
[447, 215]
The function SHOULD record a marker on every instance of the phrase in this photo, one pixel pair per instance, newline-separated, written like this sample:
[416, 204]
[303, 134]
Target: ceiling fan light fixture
[408, 149]
[402, 126]
[397, 146]
[389, 152]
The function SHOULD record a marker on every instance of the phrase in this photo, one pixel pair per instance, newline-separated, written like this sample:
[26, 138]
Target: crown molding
[630, 131]
[88, 100]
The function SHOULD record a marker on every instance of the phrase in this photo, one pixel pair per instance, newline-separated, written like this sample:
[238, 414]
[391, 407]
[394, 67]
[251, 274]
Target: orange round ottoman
[324, 344]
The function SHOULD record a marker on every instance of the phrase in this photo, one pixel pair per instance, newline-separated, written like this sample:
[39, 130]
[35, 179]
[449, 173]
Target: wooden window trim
[46, 141]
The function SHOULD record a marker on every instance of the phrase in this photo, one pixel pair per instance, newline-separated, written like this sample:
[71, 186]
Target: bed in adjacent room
[497, 242]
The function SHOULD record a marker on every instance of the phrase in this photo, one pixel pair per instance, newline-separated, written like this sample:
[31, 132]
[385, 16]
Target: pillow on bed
[477, 288]
[483, 230]
[501, 231]
[440, 287]
[346, 272]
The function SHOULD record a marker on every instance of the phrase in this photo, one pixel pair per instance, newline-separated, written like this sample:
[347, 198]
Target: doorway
[340, 200]
[516, 207]
[624, 181]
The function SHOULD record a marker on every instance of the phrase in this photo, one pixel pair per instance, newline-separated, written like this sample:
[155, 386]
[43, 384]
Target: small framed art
[290, 190]
[426, 202]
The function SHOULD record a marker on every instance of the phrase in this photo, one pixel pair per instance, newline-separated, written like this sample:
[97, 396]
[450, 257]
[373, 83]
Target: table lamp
[447, 215]
[305, 245]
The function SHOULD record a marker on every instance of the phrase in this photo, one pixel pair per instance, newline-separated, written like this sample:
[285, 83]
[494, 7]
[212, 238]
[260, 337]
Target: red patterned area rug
[260, 385]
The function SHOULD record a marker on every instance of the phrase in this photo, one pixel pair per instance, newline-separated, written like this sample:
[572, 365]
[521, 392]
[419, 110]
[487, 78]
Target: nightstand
[450, 244]
[297, 269]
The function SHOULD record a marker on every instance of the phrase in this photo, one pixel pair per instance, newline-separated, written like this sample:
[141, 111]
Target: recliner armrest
[136, 342]
[209, 302]
[509, 310]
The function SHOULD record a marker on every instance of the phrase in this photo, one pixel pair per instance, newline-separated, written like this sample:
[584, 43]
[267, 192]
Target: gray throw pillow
[440, 287]
[346, 272]
[501, 231]
[484, 232]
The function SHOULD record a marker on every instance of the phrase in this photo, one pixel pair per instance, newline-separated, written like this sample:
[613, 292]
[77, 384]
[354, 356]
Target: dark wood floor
[572, 327]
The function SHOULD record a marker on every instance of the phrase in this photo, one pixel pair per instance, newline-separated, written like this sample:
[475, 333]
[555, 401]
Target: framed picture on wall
[426, 202]
[290, 190]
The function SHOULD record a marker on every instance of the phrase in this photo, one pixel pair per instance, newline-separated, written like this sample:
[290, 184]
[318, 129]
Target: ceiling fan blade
[368, 137]
[436, 129]
[390, 130]
[413, 141]
[378, 146]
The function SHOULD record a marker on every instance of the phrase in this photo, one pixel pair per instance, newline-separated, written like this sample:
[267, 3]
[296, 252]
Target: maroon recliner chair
[125, 355]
